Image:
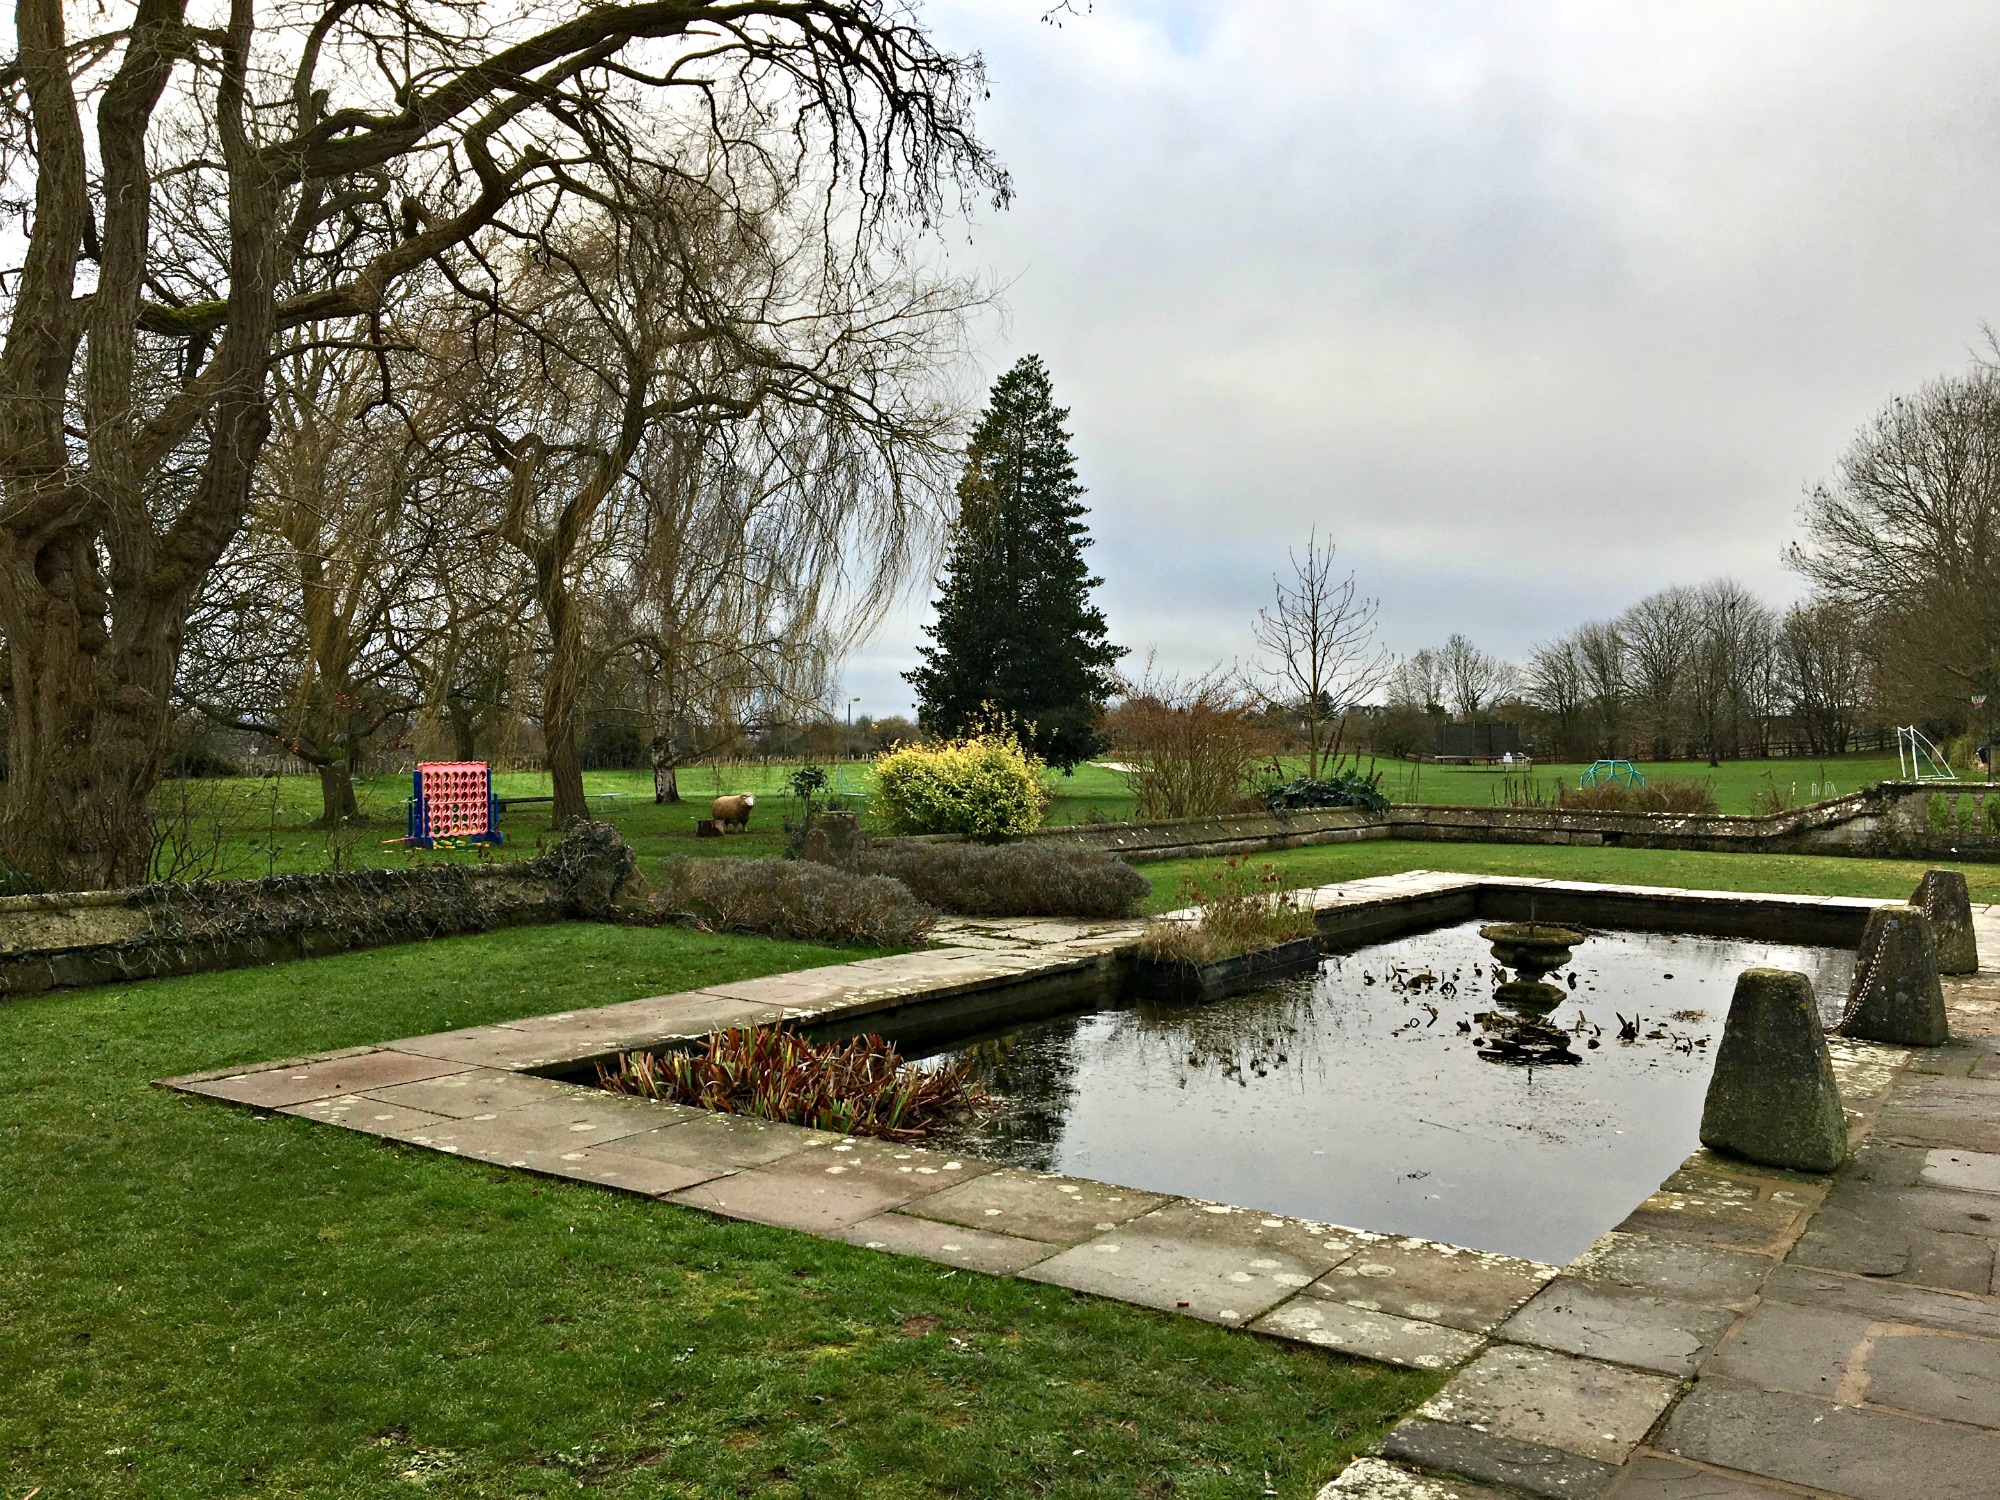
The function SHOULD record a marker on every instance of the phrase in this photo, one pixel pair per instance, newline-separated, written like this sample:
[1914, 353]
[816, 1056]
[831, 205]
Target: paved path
[1749, 1335]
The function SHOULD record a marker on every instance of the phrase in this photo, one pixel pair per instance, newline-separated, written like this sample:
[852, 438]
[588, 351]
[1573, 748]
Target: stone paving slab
[609, 1166]
[1370, 1335]
[1651, 1477]
[478, 1091]
[1579, 1406]
[823, 1190]
[1960, 1112]
[368, 1115]
[1377, 1479]
[1847, 1450]
[1039, 1205]
[503, 1047]
[1602, 1320]
[1675, 1268]
[1924, 1236]
[1885, 1301]
[714, 1145]
[1520, 1468]
[1207, 1260]
[639, 1023]
[1472, 1290]
[1784, 1346]
[902, 1233]
[1938, 1375]
[275, 1088]
[535, 1137]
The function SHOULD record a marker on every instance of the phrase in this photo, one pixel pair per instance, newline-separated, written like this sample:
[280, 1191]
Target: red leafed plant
[858, 1087]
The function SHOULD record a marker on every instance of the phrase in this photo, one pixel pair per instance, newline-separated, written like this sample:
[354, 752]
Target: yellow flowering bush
[985, 786]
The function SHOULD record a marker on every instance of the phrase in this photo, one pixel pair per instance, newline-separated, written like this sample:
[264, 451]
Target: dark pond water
[1360, 1098]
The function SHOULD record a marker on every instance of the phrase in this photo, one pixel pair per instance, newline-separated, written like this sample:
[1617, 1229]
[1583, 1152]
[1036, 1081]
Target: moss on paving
[199, 1300]
[1799, 874]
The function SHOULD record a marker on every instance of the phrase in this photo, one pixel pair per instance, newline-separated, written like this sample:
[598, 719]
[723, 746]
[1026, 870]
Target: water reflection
[1359, 1097]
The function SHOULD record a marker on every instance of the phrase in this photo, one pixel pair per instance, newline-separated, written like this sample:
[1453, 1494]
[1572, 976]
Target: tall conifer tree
[1016, 630]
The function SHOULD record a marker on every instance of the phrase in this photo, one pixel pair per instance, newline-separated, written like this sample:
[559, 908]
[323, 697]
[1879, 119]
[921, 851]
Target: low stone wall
[1896, 820]
[1246, 833]
[146, 932]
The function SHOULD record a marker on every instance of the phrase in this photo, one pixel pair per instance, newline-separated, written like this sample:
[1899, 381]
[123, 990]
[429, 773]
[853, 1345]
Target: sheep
[727, 810]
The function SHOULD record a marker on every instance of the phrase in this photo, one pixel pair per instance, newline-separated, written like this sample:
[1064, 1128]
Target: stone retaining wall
[146, 932]
[1901, 820]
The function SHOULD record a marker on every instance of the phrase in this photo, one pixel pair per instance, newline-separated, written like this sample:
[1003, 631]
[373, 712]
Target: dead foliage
[860, 1086]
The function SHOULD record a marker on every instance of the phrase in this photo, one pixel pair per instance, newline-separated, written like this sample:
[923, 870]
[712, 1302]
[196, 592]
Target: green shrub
[1036, 879]
[986, 786]
[1236, 910]
[860, 1086]
[1939, 813]
[1345, 789]
[1670, 794]
[793, 899]
[1676, 794]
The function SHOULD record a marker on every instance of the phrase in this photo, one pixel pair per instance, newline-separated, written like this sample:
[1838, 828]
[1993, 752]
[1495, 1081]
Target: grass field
[197, 1300]
[266, 823]
[1736, 783]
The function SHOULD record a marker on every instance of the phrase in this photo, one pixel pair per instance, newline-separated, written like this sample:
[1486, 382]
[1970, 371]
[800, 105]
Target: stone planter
[1175, 979]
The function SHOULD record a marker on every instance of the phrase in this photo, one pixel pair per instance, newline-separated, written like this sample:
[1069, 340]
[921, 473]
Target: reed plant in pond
[1233, 909]
[858, 1087]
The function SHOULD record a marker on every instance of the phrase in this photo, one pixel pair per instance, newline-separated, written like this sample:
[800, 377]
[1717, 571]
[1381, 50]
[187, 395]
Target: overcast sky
[1533, 308]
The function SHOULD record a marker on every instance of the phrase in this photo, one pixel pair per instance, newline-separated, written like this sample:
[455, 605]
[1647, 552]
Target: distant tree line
[1901, 547]
[1708, 672]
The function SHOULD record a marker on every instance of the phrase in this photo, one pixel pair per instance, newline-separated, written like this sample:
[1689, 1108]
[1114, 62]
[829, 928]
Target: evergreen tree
[1016, 631]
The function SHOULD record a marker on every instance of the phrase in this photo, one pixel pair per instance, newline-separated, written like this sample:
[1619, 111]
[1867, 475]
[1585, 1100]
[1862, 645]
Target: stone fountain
[1519, 1032]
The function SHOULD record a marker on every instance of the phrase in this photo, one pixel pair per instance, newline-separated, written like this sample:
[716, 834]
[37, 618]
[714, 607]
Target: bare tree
[1825, 674]
[1195, 743]
[305, 631]
[1729, 672]
[1661, 633]
[286, 167]
[1418, 682]
[1906, 538]
[1472, 680]
[1322, 658]
[1601, 654]
[1557, 684]
[712, 302]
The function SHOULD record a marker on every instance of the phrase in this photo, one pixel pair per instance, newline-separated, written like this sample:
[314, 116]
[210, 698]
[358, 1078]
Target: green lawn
[1804, 874]
[197, 1300]
[1736, 783]
[266, 823]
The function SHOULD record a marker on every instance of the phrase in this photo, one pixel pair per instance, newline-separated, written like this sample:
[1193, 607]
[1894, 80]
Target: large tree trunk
[666, 782]
[82, 763]
[336, 795]
[559, 694]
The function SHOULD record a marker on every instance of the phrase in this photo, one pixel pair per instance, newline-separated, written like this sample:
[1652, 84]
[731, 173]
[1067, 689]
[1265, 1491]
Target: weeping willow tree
[711, 400]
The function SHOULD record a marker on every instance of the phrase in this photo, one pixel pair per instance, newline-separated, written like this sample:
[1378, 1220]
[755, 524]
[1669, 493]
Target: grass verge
[1799, 874]
[199, 1300]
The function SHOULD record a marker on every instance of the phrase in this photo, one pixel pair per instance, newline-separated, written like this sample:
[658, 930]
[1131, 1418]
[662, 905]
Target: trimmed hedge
[795, 899]
[1011, 880]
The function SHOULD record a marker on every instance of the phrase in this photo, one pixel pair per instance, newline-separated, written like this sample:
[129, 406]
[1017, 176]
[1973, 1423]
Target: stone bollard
[1896, 995]
[1943, 898]
[1772, 1098]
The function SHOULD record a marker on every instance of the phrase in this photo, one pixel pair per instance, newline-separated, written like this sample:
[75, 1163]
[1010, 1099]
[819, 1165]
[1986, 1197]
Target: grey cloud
[1535, 308]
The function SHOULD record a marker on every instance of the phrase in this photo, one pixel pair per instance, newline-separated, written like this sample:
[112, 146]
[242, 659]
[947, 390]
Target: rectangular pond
[1361, 1096]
